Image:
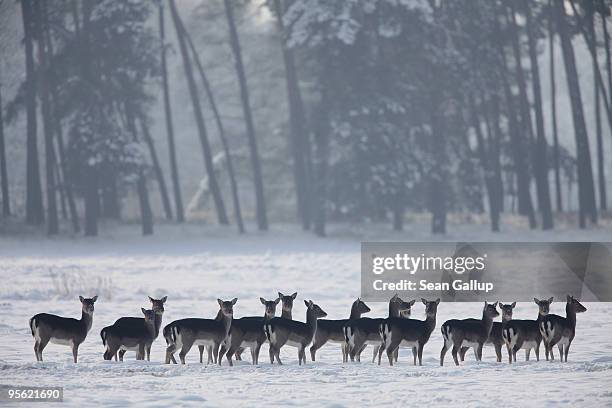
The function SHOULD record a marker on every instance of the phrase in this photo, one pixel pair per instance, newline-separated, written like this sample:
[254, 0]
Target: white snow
[194, 265]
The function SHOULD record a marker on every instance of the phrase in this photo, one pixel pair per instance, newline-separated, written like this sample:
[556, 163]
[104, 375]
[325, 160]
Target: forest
[365, 111]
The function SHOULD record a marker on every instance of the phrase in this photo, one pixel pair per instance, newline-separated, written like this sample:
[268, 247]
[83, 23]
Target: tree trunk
[601, 175]
[92, 202]
[6, 206]
[220, 129]
[519, 154]
[34, 199]
[43, 88]
[299, 138]
[176, 185]
[607, 48]
[60, 157]
[438, 177]
[321, 164]
[489, 174]
[159, 175]
[540, 162]
[398, 213]
[146, 215]
[586, 188]
[262, 219]
[553, 107]
[110, 196]
[199, 118]
[496, 134]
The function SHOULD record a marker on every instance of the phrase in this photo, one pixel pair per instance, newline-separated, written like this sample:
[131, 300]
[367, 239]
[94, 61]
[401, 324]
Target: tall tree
[299, 141]
[220, 129]
[34, 198]
[159, 174]
[262, 218]
[540, 161]
[176, 185]
[553, 105]
[6, 206]
[199, 118]
[146, 215]
[40, 22]
[586, 187]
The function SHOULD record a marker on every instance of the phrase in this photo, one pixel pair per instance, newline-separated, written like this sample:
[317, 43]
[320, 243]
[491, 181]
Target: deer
[136, 323]
[496, 337]
[360, 332]
[183, 334]
[331, 330]
[138, 336]
[468, 333]
[409, 332]
[525, 334]
[280, 331]
[561, 330]
[66, 331]
[287, 304]
[248, 332]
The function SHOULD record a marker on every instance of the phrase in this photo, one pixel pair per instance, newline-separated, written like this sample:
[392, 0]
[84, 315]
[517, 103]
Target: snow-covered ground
[196, 264]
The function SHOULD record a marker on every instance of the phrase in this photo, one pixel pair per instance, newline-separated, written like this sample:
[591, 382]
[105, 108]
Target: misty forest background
[250, 112]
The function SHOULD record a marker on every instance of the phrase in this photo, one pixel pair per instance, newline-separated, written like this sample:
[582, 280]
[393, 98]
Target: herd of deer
[224, 335]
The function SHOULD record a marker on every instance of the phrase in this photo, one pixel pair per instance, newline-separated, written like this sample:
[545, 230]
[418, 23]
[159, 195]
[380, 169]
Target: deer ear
[411, 303]
[93, 299]
[276, 301]
[294, 295]
[280, 295]
[81, 299]
[144, 312]
[306, 303]
[262, 300]
[220, 302]
[234, 300]
[536, 300]
[151, 299]
[164, 299]
[550, 300]
[513, 304]
[437, 301]
[424, 301]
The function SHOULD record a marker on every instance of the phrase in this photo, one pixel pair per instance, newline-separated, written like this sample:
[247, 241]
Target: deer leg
[375, 352]
[256, 353]
[215, 351]
[313, 349]
[454, 352]
[271, 350]
[527, 352]
[498, 352]
[509, 353]
[420, 353]
[382, 348]
[414, 355]
[230, 352]
[41, 346]
[222, 351]
[361, 351]
[277, 356]
[462, 353]
[537, 351]
[148, 348]
[391, 347]
[566, 350]
[75, 351]
[475, 349]
[170, 353]
[299, 351]
[238, 353]
[443, 353]
[121, 354]
[36, 344]
[184, 350]
[479, 351]
[560, 347]
[201, 350]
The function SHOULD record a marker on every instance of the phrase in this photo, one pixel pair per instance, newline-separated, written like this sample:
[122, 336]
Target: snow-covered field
[194, 265]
